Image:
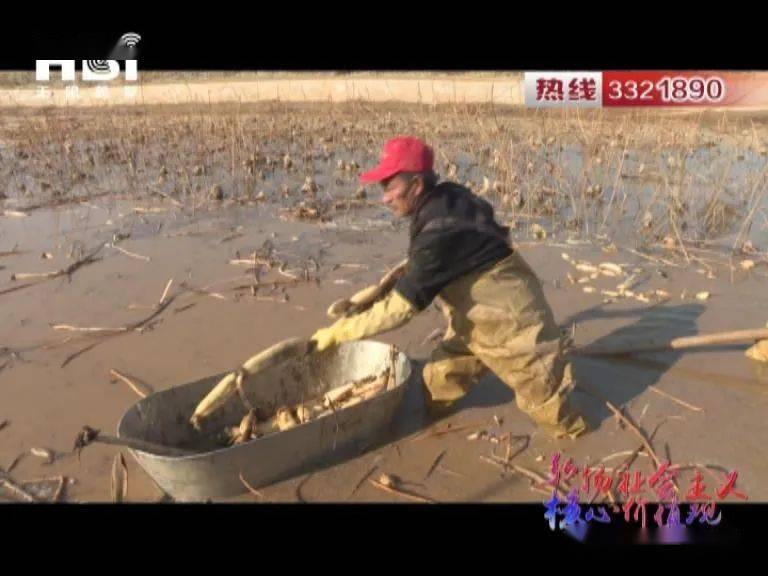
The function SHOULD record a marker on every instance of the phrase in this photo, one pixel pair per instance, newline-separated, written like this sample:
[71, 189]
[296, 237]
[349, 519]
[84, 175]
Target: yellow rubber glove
[387, 314]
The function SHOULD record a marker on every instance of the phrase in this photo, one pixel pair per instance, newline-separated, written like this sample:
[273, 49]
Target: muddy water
[191, 239]
[199, 335]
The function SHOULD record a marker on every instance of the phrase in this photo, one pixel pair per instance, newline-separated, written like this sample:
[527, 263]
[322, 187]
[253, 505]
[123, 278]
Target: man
[498, 318]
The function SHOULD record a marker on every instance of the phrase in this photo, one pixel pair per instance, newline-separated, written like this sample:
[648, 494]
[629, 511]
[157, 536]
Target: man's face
[400, 194]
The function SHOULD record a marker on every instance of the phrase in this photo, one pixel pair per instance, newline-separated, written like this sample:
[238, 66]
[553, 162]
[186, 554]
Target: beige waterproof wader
[498, 319]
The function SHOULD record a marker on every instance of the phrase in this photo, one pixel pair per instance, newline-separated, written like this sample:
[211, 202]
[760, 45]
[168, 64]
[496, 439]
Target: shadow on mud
[622, 378]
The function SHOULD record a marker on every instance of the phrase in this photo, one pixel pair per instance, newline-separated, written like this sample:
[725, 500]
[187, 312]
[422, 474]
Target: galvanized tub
[214, 472]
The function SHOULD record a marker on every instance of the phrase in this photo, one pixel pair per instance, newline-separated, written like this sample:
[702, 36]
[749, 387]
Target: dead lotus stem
[205, 292]
[655, 259]
[615, 184]
[68, 271]
[250, 488]
[511, 456]
[136, 326]
[675, 399]
[11, 253]
[446, 430]
[165, 292]
[171, 200]
[530, 474]
[16, 288]
[14, 214]
[619, 455]
[15, 489]
[638, 452]
[215, 295]
[612, 500]
[226, 281]
[59, 489]
[283, 272]
[435, 464]
[130, 254]
[402, 493]
[141, 389]
[15, 462]
[362, 480]
[119, 480]
[637, 431]
[68, 328]
[273, 284]
[501, 465]
[230, 237]
[682, 343]
[34, 275]
[450, 472]
[673, 221]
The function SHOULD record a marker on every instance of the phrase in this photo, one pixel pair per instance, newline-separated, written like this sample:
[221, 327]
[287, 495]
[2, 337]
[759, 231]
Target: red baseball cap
[401, 154]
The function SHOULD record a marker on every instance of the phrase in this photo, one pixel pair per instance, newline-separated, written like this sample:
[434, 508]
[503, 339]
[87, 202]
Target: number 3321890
[678, 89]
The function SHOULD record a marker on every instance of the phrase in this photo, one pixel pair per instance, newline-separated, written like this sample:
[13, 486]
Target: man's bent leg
[452, 370]
[511, 329]
[543, 385]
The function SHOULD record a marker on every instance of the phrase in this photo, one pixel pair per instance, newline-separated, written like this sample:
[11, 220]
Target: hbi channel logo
[95, 70]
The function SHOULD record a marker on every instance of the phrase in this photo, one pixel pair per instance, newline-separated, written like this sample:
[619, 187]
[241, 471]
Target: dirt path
[425, 89]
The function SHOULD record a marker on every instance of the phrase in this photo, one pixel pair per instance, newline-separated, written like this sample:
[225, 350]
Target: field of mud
[126, 241]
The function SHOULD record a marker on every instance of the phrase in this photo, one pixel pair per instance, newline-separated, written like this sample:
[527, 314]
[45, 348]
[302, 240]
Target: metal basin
[213, 472]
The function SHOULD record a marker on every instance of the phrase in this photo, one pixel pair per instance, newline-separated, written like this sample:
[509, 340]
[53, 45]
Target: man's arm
[387, 314]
